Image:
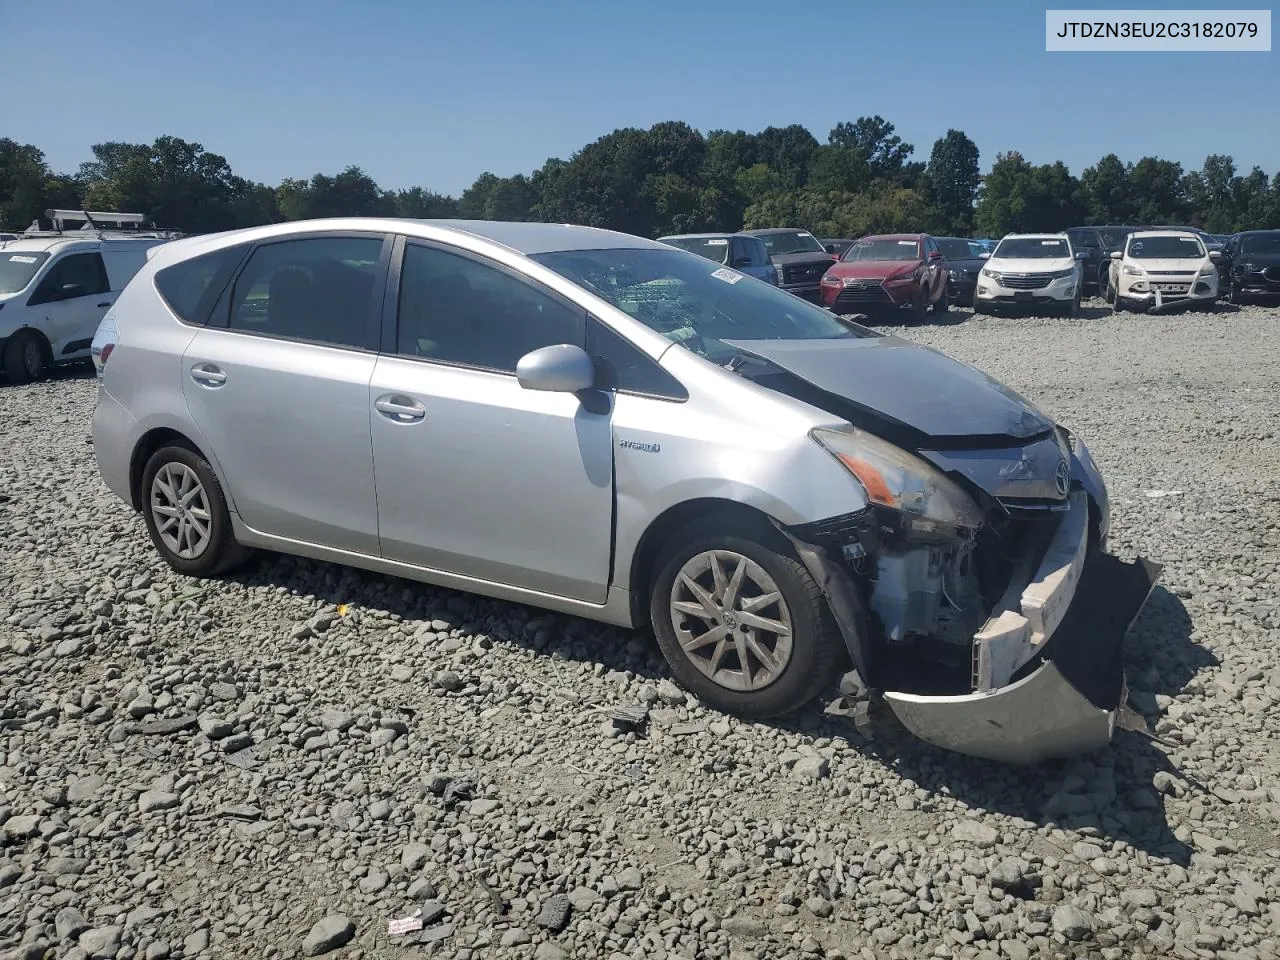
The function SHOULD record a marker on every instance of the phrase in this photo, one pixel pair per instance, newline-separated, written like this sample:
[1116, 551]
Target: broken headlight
[927, 501]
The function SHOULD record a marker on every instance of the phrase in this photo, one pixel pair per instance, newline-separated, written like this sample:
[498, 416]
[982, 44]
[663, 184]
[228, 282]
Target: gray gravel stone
[150, 801]
[554, 914]
[100, 943]
[1072, 922]
[328, 933]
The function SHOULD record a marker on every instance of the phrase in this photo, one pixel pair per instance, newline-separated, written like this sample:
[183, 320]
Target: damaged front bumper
[1047, 666]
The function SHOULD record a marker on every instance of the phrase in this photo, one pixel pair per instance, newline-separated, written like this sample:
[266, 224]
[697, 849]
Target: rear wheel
[741, 621]
[186, 514]
[24, 357]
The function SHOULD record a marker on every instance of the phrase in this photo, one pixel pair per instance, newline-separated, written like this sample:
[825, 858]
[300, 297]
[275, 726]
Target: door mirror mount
[739, 262]
[561, 368]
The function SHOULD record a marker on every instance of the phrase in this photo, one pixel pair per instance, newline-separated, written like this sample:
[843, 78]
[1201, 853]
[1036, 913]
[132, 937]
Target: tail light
[104, 342]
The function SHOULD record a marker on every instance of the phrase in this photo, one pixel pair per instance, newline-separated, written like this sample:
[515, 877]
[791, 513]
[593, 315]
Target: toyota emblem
[1063, 478]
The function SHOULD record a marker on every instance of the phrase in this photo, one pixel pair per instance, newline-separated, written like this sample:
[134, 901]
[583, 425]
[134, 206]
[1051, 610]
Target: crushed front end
[997, 630]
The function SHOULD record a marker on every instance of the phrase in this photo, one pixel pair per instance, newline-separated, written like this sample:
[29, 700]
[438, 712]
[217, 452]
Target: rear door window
[318, 289]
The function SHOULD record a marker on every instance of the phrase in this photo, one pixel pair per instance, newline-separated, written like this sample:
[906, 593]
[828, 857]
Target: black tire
[979, 308]
[944, 301]
[919, 308]
[817, 646]
[1233, 295]
[1073, 308]
[24, 358]
[222, 552]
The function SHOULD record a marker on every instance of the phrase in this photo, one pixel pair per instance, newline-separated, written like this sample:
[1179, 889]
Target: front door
[476, 475]
[278, 385]
[74, 295]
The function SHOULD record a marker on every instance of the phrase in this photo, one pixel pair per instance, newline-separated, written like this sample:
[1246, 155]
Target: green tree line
[672, 178]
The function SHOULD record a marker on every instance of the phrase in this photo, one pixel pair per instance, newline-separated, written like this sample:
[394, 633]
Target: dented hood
[909, 394]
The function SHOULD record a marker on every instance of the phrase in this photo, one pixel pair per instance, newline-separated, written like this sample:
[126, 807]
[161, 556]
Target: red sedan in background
[902, 273]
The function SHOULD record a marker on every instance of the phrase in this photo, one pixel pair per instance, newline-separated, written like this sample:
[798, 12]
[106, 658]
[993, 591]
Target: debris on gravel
[284, 761]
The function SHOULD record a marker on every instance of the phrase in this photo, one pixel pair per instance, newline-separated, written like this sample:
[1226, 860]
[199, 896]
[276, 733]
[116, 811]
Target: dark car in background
[800, 258]
[1098, 243]
[836, 246]
[964, 259]
[1249, 266]
[901, 273]
[742, 252]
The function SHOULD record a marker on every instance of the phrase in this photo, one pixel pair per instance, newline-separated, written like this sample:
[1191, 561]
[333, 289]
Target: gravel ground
[278, 764]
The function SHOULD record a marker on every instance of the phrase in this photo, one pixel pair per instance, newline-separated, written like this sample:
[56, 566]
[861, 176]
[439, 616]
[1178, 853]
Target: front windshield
[17, 268]
[1032, 248]
[884, 248]
[1260, 243]
[798, 242]
[953, 248]
[1166, 248]
[687, 300]
[713, 248]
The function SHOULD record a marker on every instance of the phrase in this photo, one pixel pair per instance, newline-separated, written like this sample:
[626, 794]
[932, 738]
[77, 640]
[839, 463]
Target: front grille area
[863, 293]
[803, 272]
[1171, 273]
[1028, 281]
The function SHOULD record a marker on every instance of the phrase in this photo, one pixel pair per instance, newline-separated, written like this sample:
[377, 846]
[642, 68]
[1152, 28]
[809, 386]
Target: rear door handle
[105, 303]
[208, 375]
[399, 408]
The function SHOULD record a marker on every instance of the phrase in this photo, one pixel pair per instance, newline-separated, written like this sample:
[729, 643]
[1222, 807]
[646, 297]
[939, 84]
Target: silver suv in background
[607, 426]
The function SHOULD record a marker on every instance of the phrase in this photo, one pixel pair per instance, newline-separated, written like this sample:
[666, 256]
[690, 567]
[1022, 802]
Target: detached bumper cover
[1064, 703]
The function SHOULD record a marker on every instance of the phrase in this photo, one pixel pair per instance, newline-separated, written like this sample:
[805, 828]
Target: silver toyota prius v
[607, 426]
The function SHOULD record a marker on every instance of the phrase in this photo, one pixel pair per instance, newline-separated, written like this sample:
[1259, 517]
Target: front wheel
[944, 301]
[740, 620]
[24, 359]
[186, 514]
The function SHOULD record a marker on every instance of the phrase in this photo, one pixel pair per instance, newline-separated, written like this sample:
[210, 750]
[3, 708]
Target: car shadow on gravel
[79, 370]
[1109, 794]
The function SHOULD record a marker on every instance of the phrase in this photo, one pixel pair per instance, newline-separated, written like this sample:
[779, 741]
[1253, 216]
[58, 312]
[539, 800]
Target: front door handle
[208, 375]
[105, 303]
[399, 408]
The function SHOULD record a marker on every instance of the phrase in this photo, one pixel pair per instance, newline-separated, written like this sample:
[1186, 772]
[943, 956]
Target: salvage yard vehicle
[611, 427]
[741, 251]
[901, 274]
[1249, 266]
[1163, 268]
[964, 262]
[55, 287]
[1031, 270]
[801, 260]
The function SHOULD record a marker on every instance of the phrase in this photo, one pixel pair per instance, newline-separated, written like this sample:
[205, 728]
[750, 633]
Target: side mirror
[984, 256]
[1117, 254]
[935, 254]
[741, 262]
[69, 290]
[562, 368]
[1082, 255]
[1214, 254]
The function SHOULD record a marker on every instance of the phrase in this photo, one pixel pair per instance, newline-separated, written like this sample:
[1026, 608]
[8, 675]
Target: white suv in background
[1031, 270]
[54, 290]
[1161, 268]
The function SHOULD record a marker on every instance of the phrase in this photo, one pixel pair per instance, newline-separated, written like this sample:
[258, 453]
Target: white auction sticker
[727, 275]
[17, 259]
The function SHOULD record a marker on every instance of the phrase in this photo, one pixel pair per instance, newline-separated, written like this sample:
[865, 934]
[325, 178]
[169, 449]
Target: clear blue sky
[437, 91]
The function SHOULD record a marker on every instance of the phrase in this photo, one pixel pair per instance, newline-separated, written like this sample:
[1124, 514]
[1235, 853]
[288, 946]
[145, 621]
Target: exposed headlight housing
[928, 501]
[993, 274]
[1129, 270]
[1059, 274]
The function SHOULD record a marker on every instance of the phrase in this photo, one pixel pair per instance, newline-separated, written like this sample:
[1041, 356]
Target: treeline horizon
[672, 178]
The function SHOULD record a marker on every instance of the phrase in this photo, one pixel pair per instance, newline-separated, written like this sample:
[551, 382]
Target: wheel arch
[149, 443]
[644, 559]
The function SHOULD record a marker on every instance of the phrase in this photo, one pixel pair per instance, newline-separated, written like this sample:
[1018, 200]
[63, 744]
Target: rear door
[476, 475]
[70, 301]
[278, 384]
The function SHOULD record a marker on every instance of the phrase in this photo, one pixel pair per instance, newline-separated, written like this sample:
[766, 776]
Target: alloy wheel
[181, 511]
[731, 620]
